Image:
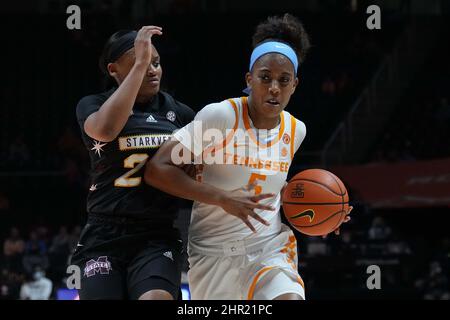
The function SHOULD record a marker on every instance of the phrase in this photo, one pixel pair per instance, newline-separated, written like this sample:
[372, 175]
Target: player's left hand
[346, 219]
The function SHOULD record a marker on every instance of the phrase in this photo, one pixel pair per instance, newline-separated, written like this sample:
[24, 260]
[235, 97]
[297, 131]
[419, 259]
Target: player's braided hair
[287, 29]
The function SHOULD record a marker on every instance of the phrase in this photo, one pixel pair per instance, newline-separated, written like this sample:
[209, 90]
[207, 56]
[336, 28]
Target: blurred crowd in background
[34, 261]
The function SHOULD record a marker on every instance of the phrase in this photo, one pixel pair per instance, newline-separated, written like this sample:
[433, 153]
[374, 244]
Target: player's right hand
[347, 218]
[242, 203]
[143, 44]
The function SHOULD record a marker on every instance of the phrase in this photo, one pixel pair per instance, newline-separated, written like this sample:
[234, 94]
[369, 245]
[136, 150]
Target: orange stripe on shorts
[251, 291]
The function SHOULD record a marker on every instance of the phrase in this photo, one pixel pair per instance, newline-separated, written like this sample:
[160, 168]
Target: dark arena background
[375, 103]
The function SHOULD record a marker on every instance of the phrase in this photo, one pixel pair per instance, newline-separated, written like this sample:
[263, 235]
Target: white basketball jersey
[249, 155]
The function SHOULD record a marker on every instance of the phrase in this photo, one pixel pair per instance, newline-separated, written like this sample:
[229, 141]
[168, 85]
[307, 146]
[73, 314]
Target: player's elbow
[153, 173]
[103, 137]
[103, 133]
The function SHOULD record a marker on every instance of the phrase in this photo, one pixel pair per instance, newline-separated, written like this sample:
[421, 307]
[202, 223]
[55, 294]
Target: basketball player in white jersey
[242, 176]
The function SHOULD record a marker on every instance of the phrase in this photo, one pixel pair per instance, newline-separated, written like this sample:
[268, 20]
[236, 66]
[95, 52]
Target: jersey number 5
[130, 162]
[253, 178]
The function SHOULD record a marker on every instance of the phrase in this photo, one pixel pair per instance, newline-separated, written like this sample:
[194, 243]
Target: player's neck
[144, 99]
[260, 121]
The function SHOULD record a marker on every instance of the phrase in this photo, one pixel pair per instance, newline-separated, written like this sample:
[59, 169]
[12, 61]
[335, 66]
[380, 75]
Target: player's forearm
[110, 119]
[173, 180]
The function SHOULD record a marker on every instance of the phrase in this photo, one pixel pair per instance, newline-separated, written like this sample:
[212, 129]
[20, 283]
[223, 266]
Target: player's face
[272, 82]
[152, 80]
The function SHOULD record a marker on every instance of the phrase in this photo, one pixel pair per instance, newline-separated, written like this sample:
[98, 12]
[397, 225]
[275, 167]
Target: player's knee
[156, 295]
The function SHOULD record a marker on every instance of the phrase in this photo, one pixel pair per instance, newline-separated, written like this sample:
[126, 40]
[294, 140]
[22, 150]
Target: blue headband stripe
[277, 47]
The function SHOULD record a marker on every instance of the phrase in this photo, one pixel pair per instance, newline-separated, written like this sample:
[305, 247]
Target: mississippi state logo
[171, 116]
[286, 138]
[101, 265]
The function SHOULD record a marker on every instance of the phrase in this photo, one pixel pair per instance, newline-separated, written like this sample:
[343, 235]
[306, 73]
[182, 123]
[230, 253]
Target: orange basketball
[315, 202]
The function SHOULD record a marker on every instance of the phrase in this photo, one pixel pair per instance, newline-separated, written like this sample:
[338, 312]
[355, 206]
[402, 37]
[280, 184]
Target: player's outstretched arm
[162, 173]
[106, 124]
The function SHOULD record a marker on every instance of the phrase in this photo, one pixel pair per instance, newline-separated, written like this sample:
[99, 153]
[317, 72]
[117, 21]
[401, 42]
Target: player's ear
[248, 79]
[296, 82]
[113, 72]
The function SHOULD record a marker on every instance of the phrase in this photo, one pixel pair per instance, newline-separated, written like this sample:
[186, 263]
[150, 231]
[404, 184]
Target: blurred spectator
[435, 286]
[19, 153]
[74, 237]
[379, 230]
[35, 253]
[59, 252]
[10, 283]
[4, 287]
[316, 247]
[346, 244]
[13, 249]
[60, 243]
[42, 233]
[39, 288]
[398, 247]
